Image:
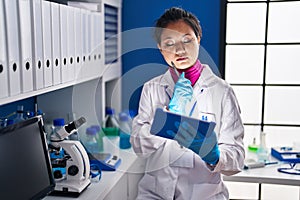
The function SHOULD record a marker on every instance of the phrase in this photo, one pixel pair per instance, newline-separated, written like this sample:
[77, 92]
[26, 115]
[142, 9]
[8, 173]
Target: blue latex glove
[205, 146]
[183, 92]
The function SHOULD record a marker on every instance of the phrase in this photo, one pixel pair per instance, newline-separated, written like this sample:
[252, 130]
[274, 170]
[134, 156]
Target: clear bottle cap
[96, 127]
[123, 116]
[91, 131]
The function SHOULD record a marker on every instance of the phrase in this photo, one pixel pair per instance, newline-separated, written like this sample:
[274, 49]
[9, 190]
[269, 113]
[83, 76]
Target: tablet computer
[165, 120]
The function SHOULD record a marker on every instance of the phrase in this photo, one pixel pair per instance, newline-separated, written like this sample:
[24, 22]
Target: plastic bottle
[131, 114]
[253, 147]
[58, 123]
[91, 141]
[111, 130]
[125, 130]
[110, 124]
[262, 152]
[20, 114]
[110, 118]
[99, 136]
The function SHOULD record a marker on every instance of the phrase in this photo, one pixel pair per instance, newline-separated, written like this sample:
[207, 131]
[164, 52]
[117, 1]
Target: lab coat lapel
[201, 88]
[205, 81]
[168, 83]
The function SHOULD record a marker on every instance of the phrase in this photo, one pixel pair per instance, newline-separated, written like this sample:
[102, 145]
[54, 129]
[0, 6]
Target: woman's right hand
[183, 93]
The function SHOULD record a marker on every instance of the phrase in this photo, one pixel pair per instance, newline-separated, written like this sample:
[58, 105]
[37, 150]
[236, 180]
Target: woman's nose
[180, 50]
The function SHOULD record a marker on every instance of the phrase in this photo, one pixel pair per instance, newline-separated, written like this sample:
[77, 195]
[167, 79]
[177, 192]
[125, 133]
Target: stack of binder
[44, 44]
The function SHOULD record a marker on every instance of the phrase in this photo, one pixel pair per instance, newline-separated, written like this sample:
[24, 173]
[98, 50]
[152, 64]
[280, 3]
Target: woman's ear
[198, 39]
[158, 46]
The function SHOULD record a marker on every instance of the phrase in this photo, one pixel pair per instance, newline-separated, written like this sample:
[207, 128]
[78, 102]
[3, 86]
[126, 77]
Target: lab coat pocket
[181, 157]
[147, 184]
[209, 191]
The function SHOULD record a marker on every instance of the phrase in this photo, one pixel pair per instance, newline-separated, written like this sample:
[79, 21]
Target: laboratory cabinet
[72, 49]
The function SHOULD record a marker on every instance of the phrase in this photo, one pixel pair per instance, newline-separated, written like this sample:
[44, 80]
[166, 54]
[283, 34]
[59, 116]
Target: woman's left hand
[205, 145]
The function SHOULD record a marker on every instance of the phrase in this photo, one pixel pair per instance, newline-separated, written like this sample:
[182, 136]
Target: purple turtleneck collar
[192, 73]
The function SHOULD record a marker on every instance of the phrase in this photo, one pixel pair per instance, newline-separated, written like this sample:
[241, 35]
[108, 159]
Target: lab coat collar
[207, 77]
[205, 80]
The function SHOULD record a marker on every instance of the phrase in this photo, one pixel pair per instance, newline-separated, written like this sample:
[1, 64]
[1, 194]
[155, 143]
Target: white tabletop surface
[108, 180]
[267, 174]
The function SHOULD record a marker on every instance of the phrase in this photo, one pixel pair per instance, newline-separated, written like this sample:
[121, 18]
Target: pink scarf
[192, 73]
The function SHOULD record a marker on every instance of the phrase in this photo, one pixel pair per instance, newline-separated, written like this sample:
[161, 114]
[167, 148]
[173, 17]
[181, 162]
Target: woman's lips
[181, 59]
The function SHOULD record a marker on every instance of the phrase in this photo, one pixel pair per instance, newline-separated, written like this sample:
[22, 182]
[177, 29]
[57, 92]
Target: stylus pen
[175, 69]
[258, 165]
[193, 108]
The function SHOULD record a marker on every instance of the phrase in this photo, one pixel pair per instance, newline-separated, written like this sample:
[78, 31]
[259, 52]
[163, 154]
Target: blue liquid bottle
[125, 130]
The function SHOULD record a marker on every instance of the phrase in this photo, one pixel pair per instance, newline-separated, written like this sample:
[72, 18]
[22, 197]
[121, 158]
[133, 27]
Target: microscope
[76, 161]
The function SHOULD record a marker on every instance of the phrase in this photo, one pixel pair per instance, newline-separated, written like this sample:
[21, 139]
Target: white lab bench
[122, 183]
[119, 184]
[265, 175]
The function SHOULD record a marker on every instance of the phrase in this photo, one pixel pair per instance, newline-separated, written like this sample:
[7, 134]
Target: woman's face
[179, 44]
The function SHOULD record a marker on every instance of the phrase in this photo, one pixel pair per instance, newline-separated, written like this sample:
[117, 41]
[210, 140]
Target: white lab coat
[173, 171]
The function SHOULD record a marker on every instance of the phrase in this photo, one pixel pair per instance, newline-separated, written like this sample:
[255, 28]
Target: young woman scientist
[175, 170]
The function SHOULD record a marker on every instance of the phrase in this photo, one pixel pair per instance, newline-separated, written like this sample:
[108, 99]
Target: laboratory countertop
[267, 174]
[99, 190]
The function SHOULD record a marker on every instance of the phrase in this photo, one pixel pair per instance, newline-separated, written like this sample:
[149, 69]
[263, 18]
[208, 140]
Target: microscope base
[70, 188]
